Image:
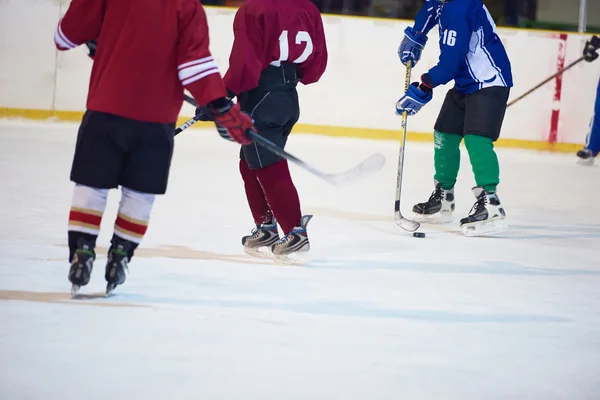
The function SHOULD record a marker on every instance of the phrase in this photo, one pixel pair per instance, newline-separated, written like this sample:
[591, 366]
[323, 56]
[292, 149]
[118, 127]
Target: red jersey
[147, 53]
[269, 32]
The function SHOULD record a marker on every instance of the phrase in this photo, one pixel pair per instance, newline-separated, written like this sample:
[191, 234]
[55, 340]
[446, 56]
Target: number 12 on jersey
[284, 47]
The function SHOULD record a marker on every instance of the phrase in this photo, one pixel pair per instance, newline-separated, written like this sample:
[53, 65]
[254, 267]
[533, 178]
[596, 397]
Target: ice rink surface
[377, 315]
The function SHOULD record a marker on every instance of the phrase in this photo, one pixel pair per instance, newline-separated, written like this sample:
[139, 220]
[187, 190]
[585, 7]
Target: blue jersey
[471, 51]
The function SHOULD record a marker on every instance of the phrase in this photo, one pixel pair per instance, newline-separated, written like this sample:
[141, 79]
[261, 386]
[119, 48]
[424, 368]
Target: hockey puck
[419, 234]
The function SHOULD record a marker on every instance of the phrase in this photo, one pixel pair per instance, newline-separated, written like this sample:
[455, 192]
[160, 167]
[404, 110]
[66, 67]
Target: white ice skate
[486, 217]
[438, 209]
[292, 249]
[259, 242]
[586, 157]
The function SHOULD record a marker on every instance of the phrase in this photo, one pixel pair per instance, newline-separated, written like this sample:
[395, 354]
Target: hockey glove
[411, 46]
[590, 51]
[203, 114]
[414, 99]
[231, 120]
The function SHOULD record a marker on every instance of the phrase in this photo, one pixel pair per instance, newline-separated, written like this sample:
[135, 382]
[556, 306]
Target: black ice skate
[586, 157]
[259, 242]
[116, 265]
[293, 247]
[82, 265]
[487, 215]
[438, 209]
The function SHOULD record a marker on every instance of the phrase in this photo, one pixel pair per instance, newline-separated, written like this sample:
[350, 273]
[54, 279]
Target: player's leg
[483, 123]
[144, 175]
[446, 155]
[274, 118]
[95, 169]
[265, 234]
[588, 154]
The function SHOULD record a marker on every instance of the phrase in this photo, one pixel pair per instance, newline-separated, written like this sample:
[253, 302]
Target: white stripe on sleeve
[61, 39]
[197, 69]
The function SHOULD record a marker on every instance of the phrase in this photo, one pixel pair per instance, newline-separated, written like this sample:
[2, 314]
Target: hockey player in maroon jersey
[147, 53]
[277, 43]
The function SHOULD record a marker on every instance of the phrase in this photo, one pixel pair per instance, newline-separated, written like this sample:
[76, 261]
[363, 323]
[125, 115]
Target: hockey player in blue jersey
[588, 154]
[474, 57]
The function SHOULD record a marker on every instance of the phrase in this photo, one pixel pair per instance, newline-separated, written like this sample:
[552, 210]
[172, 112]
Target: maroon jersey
[269, 32]
[147, 53]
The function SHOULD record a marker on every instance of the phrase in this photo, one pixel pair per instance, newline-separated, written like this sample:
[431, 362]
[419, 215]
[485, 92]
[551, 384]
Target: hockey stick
[402, 222]
[539, 85]
[368, 167]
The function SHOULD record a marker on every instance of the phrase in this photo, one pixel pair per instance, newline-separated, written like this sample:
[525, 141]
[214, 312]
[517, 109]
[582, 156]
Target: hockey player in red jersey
[277, 43]
[147, 53]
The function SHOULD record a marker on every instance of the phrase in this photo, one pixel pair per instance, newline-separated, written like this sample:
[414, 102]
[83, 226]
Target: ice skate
[259, 242]
[438, 209]
[81, 265]
[293, 248]
[487, 215]
[116, 265]
[586, 157]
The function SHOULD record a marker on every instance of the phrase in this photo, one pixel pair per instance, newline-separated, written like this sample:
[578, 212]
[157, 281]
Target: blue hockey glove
[415, 98]
[411, 46]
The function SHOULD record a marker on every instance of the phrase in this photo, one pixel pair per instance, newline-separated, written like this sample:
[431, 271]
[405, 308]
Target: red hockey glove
[236, 122]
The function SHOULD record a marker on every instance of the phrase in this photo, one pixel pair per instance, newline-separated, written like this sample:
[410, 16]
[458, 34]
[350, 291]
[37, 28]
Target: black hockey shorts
[113, 150]
[274, 113]
[480, 113]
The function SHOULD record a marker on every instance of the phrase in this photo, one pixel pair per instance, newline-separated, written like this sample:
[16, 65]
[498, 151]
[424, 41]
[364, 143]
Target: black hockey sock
[128, 245]
[74, 237]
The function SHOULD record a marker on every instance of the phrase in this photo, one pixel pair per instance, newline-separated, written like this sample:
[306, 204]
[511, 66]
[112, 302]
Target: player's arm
[454, 46]
[81, 22]
[415, 37]
[199, 73]
[312, 70]
[197, 69]
[426, 17]
[245, 64]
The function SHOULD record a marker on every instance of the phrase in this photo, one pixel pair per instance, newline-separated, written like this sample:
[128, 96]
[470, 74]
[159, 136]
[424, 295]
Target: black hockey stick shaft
[539, 85]
[267, 144]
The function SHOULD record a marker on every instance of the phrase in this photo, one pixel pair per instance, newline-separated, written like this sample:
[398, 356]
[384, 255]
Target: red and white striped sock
[87, 208]
[134, 215]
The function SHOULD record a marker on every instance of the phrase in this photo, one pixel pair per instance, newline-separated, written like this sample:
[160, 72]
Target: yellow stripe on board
[335, 131]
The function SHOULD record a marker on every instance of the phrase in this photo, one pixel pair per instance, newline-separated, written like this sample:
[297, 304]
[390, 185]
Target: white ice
[378, 314]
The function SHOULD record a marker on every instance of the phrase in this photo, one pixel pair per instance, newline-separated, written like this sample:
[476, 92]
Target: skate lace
[435, 196]
[479, 205]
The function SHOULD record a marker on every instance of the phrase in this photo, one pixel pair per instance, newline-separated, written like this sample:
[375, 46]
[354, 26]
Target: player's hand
[590, 51]
[235, 122]
[411, 46]
[203, 113]
[415, 98]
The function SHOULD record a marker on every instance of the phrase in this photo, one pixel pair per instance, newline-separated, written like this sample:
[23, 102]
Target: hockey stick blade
[366, 168]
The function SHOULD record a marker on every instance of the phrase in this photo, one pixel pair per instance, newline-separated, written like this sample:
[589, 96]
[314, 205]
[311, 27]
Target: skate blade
[260, 252]
[586, 161]
[110, 287]
[74, 290]
[439, 218]
[485, 228]
[298, 258]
